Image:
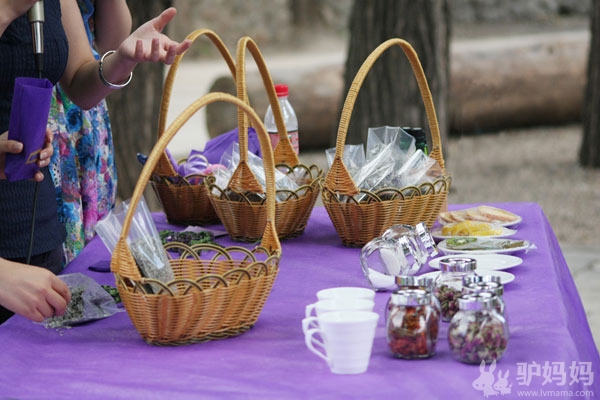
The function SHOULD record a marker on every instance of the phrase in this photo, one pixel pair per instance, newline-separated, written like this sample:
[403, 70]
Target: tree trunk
[389, 94]
[589, 153]
[134, 109]
[306, 13]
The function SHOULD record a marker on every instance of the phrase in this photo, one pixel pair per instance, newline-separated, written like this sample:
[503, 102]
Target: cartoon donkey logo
[485, 382]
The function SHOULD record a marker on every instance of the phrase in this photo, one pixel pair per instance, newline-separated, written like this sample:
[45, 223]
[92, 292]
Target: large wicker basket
[239, 209]
[357, 222]
[184, 202]
[217, 292]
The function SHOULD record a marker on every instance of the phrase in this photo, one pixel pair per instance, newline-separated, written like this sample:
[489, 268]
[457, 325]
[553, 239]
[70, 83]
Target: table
[550, 339]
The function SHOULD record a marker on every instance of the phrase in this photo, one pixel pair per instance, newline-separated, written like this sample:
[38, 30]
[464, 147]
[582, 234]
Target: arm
[112, 21]
[32, 292]
[12, 146]
[11, 10]
[81, 80]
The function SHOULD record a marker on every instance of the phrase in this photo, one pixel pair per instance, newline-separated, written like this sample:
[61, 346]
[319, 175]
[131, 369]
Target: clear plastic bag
[391, 161]
[143, 240]
[231, 159]
[89, 302]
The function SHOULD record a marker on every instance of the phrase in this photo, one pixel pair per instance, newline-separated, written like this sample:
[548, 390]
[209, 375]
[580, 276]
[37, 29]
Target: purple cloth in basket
[28, 120]
[214, 149]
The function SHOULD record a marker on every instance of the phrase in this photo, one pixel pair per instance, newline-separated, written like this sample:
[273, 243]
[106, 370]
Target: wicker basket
[217, 292]
[184, 203]
[239, 209]
[357, 222]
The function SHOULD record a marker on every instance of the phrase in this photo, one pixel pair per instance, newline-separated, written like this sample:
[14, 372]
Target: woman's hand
[15, 147]
[32, 292]
[148, 43]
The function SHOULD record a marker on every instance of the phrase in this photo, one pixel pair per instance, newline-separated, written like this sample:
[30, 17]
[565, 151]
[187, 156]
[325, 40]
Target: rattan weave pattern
[217, 292]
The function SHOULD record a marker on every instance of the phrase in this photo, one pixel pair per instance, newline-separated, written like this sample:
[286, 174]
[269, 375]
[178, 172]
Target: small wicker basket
[357, 222]
[217, 292]
[239, 209]
[184, 203]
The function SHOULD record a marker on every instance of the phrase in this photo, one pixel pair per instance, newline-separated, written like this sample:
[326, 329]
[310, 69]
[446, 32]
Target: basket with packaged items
[180, 190]
[210, 291]
[393, 183]
[237, 190]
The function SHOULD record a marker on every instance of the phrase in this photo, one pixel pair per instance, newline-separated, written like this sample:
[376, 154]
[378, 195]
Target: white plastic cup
[346, 292]
[344, 339]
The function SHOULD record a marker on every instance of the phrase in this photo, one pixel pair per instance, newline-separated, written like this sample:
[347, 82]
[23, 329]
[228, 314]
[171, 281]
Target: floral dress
[82, 166]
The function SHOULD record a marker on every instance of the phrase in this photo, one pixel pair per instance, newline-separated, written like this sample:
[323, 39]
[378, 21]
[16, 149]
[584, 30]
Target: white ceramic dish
[442, 246]
[437, 234]
[505, 277]
[494, 262]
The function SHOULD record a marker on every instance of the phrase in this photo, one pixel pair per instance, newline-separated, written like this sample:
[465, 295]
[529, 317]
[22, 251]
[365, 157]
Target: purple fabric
[28, 120]
[217, 146]
[108, 358]
[214, 149]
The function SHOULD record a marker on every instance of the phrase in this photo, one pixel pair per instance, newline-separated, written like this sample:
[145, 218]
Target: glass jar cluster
[474, 307]
[400, 251]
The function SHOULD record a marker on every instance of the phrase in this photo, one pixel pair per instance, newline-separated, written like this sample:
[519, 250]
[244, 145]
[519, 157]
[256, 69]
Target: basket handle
[338, 176]
[164, 166]
[284, 152]
[270, 240]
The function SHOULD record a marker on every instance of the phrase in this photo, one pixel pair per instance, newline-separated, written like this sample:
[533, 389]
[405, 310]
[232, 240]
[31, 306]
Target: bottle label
[292, 136]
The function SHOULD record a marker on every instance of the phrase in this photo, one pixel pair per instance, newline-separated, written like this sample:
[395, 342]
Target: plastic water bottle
[420, 139]
[289, 118]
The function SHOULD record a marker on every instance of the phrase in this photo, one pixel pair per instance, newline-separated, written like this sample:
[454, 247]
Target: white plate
[444, 249]
[518, 219]
[484, 261]
[505, 277]
[437, 234]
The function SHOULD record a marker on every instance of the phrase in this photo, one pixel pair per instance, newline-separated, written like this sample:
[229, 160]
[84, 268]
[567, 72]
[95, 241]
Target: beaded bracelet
[103, 79]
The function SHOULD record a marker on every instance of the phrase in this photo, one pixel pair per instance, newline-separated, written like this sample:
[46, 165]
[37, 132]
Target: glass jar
[490, 286]
[400, 251]
[477, 331]
[412, 324]
[448, 283]
[419, 237]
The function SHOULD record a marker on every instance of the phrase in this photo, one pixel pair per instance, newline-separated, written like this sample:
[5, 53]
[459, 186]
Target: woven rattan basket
[217, 292]
[184, 202]
[357, 222]
[239, 209]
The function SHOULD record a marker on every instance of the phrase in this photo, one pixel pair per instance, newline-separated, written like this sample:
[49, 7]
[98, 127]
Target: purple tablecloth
[551, 352]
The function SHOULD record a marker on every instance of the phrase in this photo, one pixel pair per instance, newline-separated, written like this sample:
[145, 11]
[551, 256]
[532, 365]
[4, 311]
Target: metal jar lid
[411, 297]
[458, 264]
[477, 301]
[480, 278]
[428, 242]
[415, 282]
[490, 286]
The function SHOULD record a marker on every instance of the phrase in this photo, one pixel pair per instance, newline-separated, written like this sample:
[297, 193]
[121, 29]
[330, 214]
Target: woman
[69, 60]
[83, 167]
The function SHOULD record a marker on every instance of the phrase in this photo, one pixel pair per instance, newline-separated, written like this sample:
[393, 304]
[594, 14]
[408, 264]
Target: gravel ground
[538, 165]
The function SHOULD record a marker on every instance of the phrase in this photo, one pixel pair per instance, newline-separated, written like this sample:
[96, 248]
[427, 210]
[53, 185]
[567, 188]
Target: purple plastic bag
[28, 120]
[213, 151]
[217, 146]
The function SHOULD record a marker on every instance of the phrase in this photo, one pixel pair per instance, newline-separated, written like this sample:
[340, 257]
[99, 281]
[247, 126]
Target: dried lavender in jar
[477, 332]
[448, 284]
